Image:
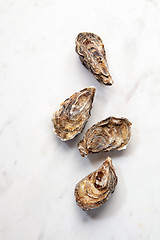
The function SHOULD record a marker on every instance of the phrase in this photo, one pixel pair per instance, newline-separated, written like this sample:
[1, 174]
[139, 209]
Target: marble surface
[38, 70]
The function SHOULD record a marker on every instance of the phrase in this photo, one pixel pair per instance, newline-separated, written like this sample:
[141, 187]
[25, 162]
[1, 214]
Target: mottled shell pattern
[109, 134]
[95, 189]
[91, 51]
[73, 114]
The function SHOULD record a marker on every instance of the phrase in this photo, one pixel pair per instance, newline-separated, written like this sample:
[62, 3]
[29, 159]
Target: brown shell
[73, 114]
[91, 51]
[109, 134]
[96, 188]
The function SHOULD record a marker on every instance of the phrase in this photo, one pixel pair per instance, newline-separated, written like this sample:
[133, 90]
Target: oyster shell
[96, 188]
[91, 51]
[109, 134]
[73, 114]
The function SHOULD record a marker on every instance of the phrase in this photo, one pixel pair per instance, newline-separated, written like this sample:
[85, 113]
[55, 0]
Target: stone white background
[39, 69]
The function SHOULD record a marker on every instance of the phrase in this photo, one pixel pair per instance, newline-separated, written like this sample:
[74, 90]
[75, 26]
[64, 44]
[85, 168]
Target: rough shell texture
[73, 114]
[91, 51]
[109, 134]
[96, 188]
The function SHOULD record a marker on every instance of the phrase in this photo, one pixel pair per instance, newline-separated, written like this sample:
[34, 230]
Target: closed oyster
[73, 114]
[109, 134]
[96, 188]
[91, 51]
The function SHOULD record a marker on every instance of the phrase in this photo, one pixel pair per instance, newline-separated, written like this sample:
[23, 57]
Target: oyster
[91, 51]
[109, 134]
[73, 114]
[96, 188]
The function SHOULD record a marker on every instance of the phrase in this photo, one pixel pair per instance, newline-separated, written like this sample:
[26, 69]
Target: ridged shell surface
[91, 51]
[73, 114]
[95, 189]
[107, 135]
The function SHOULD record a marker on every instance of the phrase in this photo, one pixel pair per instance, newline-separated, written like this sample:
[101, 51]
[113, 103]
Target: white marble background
[38, 70]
